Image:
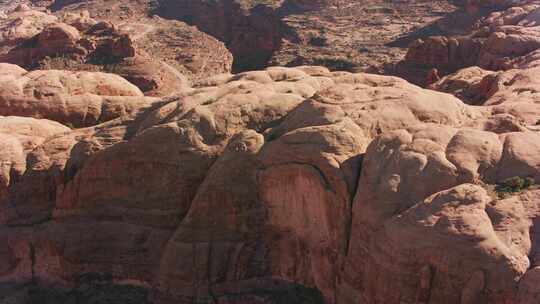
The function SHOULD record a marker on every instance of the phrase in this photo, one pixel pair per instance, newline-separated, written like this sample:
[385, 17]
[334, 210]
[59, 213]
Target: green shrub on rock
[513, 185]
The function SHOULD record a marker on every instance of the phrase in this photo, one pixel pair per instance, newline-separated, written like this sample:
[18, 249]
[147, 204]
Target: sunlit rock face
[162, 178]
[277, 184]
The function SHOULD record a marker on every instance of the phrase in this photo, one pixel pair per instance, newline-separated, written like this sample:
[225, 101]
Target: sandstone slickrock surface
[471, 84]
[76, 99]
[513, 91]
[280, 186]
[19, 136]
[501, 40]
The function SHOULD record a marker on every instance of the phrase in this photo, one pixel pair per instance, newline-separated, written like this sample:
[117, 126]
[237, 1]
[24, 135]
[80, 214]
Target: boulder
[470, 85]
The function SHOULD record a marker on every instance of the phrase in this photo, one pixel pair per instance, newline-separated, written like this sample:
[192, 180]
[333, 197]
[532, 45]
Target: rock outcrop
[193, 53]
[472, 85]
[251, 32]
[341, 35]
[158, 59]
[502, 40]
[511, 92]
[280, 185]
[76, 99]
[19, 136]
[21, 24]
[389, 212]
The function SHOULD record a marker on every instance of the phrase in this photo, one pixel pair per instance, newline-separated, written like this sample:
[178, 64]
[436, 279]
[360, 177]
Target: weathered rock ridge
[504, 39]
[77, 99]
[280, 186]
[157, 55]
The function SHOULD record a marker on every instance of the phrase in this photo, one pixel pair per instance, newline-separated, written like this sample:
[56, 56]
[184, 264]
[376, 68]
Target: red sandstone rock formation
[145, 52]
[195, 54]
[74, 98]
[283, 185]
[342, 35]
[501, 41]
[255, 184]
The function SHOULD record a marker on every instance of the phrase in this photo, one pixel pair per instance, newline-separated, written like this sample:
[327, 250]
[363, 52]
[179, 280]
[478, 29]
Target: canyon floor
[269, 152]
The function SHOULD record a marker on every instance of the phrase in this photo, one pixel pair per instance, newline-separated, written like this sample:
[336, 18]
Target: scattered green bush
[336, 63]
[318, 41]
[513, 185]
[58, 63]
[209, 101]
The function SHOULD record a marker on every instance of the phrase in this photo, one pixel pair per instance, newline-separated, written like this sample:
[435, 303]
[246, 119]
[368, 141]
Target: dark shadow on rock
[274, 292]
[252, 35]
[59, 4]
[459, 22]
[427, 31]
[534, 254]
[90, 289]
